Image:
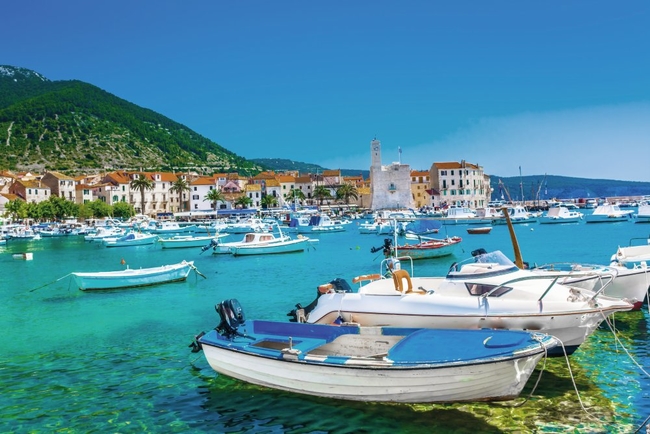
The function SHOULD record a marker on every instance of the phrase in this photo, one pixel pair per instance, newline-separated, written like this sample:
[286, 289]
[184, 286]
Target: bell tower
[375, 153]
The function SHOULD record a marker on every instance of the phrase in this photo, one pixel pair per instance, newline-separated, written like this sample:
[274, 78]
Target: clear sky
[561, 88]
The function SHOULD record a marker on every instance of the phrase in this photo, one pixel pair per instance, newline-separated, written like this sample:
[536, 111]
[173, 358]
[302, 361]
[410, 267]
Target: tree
[180, 186]
[99, 208]
[214, 196]
[123, 210]
[244, 201]
[142, 183]
[346, 192]
[17, 209]
[321, 193]
[269, 201]
[295, 194]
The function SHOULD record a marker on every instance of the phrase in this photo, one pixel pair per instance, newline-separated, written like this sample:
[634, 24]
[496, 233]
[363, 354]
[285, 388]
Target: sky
[557, 88]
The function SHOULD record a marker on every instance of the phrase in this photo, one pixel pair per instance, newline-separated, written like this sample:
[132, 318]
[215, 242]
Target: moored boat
[186, 241]
[132, 277]
[480, 230]
[131, 239]
[406, 365]
[608, 213]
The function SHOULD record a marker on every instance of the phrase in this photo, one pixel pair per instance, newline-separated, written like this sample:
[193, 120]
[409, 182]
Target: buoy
[26, 256]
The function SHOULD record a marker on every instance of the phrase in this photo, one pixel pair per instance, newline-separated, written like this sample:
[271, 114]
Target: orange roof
[253, 187]
[336, 172]
[455, 165]
[419, 173]
[272, 183]
[285, 178]
[204, 180]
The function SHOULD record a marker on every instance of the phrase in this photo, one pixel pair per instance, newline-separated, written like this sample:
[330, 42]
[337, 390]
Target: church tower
[375, 154]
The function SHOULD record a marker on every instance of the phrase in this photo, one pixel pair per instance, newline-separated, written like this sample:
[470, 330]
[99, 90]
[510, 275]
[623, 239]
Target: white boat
[643, 213]
[405, 365]
[20, 232]
[485, 291]
[289, 245]
[105, 232]
[305, 223]
[185, 241]
[633, 254]
[614, 280]
[247, 225]
[517, 214]
[132, 277]
[461, 215]
[560, 214]
[250, 239]
[608, 213]
[170, 227]
[131, 239]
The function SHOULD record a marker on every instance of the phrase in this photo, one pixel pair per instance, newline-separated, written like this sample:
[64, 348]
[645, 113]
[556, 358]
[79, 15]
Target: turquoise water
[118, 361]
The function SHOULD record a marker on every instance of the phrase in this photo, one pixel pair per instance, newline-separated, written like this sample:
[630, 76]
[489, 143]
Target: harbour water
[118, 361]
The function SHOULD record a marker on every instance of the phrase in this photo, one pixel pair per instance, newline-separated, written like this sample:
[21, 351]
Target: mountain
[280, 164]
[543, 187]
[75, 127]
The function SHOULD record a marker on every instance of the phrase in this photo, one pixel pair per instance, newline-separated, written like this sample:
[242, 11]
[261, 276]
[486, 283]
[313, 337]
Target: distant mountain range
[75, 127]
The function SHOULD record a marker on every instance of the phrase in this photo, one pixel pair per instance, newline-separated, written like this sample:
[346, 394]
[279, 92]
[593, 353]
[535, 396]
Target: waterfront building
[199, 189]
[390, 185]
[30, 190]
[60, 185]
[420, 188]
[460, 184]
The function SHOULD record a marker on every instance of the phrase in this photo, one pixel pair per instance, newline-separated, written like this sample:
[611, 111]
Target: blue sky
[561, 88]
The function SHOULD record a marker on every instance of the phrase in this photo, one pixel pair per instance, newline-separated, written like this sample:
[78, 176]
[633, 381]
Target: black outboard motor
[386, 247]
[213, 243]
[480, 251]
[232, 316]
[339, 285]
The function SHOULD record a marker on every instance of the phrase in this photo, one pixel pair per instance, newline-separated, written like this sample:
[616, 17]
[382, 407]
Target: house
[460, 184]
[60, 185]
[30, 190]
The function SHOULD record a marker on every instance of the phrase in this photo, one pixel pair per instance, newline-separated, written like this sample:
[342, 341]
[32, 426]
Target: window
[480, 289]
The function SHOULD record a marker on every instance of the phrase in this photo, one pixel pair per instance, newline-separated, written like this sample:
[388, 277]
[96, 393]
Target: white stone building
[390, 185]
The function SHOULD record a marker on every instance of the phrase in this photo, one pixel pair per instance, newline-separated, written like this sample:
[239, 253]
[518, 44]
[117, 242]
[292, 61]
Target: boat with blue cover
[392, 364]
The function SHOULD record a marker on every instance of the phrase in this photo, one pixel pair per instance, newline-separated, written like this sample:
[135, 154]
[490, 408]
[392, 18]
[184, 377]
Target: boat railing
[554, 280]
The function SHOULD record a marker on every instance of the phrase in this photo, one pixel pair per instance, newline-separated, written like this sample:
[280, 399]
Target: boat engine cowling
[232, 316]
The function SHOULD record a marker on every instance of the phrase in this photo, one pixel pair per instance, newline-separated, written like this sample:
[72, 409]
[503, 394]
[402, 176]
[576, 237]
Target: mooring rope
[49, 283]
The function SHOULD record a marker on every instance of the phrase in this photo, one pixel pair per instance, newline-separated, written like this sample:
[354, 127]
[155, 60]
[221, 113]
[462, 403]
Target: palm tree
[180, 186]
[321, 192]
[244, 201]
[269, 201]
[346, 192]
[293, 194]
[214, 196]
[142, 183]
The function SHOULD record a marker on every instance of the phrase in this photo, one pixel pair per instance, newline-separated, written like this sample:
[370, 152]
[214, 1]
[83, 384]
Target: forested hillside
[72, 126]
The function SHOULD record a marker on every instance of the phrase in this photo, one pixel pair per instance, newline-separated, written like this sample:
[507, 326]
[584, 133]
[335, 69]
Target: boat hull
[443, 377]
[289, 246]
[131, 278]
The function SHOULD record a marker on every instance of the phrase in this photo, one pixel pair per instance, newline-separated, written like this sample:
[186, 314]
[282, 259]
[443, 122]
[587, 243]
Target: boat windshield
[482, 263]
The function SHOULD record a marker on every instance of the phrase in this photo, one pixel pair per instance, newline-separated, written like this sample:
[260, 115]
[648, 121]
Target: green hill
[72, 126]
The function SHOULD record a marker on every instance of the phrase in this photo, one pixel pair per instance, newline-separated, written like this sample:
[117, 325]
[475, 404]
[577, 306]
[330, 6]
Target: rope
[54, 281]
[539, 377]
[193, 267]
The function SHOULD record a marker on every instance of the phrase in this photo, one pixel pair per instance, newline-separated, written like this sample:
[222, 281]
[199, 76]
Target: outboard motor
[386, 247]
[338, 284]
[213, 243]
[477, 252]
[232, 316]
